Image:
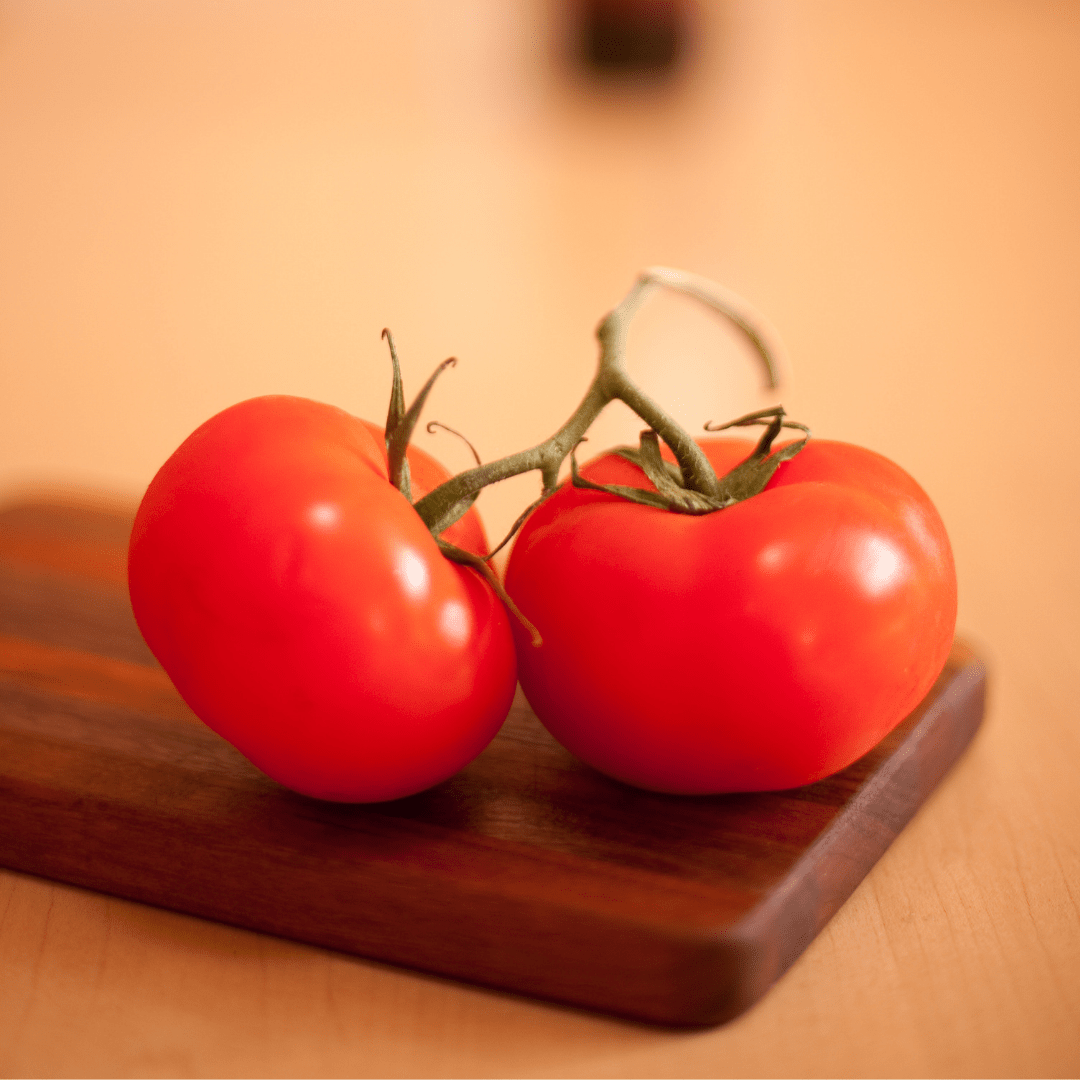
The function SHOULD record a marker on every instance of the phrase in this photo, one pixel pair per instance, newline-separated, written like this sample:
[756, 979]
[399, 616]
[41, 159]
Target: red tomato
[759, 647]
[305, 613]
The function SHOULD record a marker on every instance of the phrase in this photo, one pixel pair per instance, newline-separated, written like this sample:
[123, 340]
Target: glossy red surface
[759, 647]
[305, 613]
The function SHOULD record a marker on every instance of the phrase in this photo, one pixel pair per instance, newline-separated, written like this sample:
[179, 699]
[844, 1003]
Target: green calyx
[747, 479]
[401, 422]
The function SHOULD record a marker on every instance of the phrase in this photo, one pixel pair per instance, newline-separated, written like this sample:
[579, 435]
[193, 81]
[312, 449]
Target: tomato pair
[762, 646]
[306, 614]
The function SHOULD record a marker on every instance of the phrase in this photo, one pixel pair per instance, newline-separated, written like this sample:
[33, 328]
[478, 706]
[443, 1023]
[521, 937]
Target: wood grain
[527, 871]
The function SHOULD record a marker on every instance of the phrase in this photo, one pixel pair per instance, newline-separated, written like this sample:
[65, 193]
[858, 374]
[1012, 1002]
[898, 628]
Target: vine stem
[441, 507]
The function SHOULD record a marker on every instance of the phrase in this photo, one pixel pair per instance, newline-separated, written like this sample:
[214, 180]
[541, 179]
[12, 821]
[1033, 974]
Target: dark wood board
[528, 871]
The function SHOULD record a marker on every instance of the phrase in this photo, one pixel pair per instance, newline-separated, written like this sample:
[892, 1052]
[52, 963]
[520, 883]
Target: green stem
[443, 506]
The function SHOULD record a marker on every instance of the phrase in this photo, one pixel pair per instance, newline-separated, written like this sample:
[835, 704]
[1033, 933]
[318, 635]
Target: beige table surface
[204, 202]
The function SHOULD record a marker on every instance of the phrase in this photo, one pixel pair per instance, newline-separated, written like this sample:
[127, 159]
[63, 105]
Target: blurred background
[205, 201]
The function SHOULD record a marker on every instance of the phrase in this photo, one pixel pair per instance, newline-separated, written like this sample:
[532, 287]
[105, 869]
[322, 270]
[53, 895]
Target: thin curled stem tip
[388, 337]
[433, 424]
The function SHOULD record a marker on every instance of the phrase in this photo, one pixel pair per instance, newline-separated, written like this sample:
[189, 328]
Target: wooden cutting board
[527, 871]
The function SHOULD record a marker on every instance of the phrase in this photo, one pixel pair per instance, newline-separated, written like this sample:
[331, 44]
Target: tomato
[305, 613]
[759, 647]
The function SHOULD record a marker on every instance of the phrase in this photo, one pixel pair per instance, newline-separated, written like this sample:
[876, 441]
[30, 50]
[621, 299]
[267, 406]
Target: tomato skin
[761, 647]
[305, 613]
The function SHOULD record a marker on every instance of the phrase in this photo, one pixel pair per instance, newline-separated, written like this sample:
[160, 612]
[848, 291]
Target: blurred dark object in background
[630, 37]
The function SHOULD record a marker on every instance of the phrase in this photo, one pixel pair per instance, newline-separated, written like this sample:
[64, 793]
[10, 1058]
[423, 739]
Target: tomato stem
[443, 506]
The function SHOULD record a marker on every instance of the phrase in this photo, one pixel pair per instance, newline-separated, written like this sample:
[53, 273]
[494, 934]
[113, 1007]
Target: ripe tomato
[759, 647]
[305, 613]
